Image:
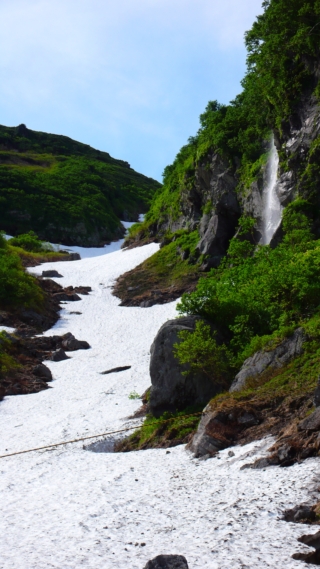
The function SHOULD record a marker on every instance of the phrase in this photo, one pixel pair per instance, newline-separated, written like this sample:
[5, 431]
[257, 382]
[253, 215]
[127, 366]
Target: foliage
[48, 181]
[134, 395]
[7, 362]
[17, 288]
[201, 351]
[283, 48]
[261, 294]
[170, 429]
[29, 242]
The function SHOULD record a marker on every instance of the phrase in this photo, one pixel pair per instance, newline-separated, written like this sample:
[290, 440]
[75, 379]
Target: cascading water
[272, 209]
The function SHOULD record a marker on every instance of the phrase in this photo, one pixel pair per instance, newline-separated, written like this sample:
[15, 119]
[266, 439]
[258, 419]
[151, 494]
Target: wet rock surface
[171, 390]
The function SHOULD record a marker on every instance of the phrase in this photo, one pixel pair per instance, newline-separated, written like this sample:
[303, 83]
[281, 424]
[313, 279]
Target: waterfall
[272, 209]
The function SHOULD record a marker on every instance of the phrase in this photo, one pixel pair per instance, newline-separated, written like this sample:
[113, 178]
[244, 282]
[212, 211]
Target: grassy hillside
[66, 191]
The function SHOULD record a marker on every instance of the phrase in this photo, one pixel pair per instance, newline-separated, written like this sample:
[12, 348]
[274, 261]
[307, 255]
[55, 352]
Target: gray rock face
[263, 360]
[167, 562]
[204, 443]
[171, 390]
[311, 423]
[218, 430]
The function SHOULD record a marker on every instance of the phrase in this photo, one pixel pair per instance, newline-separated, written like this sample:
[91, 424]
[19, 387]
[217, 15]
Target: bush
[29, 242]
[262, 293]
[17, 288]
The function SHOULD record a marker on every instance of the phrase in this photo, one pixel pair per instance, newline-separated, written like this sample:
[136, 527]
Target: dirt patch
[141, 287]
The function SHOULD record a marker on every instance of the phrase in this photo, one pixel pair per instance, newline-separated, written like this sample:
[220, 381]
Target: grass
[169, 430]
[30, 258]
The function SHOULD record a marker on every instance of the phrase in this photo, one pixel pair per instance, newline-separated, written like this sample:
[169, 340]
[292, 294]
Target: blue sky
[129, 76]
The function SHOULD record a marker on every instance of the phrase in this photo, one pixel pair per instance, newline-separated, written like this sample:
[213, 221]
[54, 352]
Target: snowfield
[73, 508]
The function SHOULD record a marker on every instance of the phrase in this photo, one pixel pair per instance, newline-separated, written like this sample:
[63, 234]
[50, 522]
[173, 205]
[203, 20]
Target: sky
[129, 77]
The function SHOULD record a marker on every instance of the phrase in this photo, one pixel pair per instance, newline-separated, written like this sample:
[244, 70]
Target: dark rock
[59, 355]
[32, 317]
[316, 398]
[285, 455]
[74, 257]
[171, 390]
[65, 297]
[41, 370]
[263, 360]
[312, 540]
[51, 274]
[300, 513]
[167, 562]
[70, 343]
[211, 436]
[311, 423]
[248, 420]
[115, 370]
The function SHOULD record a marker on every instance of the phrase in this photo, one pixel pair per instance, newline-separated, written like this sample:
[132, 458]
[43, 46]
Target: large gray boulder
[263, 360]
[167, 562]
[171, 390]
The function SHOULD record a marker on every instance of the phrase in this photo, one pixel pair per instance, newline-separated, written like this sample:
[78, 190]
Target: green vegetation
[169, 430]
[52, 184]
[7, 362]
[283, 53]
[17, 288]
[256, 297]
[30, 242]
[134, 395]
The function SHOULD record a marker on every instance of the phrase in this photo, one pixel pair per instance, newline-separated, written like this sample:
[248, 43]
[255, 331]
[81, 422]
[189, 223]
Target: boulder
[70, 343]
[265, 359]
[218, 430]
[171, 390]
[43, 371]
[206, 442]
[167, 562]
[59, 356]
[51, 274]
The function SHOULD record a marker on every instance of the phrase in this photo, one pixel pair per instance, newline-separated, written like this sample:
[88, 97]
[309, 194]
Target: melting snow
[71, 508]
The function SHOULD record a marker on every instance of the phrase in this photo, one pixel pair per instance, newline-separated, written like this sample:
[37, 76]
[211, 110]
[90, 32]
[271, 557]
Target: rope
[97, 436]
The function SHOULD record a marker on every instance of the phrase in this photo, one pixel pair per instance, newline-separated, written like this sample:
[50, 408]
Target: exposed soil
[29, 351]
[140, 287]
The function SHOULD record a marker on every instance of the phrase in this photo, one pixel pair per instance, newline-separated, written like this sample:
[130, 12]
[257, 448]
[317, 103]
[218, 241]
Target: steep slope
[220, 174]
[66, 191]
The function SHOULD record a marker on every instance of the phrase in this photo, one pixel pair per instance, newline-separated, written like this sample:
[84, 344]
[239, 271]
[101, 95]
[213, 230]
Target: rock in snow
[171, 389]
[167, 562]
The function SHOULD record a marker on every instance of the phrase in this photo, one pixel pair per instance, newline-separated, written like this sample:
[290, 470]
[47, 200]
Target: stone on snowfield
[70, 343]
[171, 390]
[59, 356]
[40, 370]
[167, 562]
[51, 274]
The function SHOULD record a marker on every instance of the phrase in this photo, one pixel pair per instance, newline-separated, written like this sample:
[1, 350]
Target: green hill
[66, 191]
